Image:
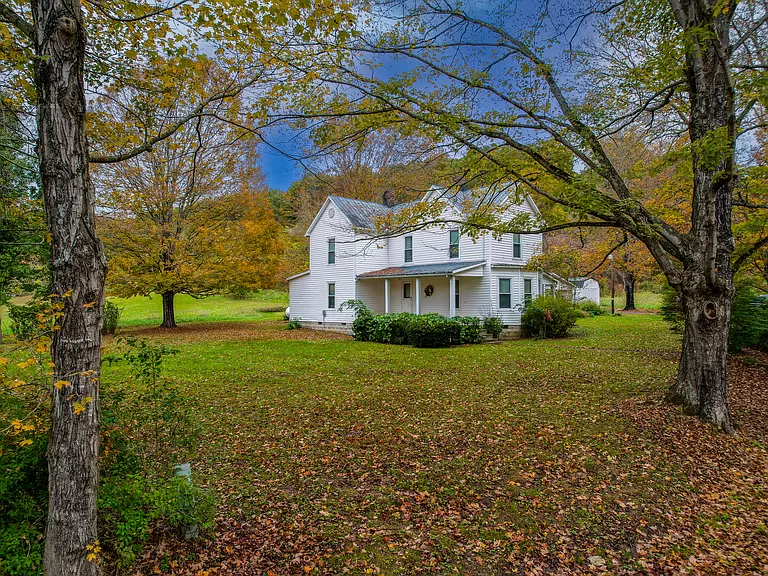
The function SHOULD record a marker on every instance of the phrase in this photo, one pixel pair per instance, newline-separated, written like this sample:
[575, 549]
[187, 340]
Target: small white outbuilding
[586, 289]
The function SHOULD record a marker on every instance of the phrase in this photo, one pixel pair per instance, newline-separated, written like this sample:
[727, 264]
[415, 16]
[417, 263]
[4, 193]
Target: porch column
[452, 296]
[418, 295]
[386, 295]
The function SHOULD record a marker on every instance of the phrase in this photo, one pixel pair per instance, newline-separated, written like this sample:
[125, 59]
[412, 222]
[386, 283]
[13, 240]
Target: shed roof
[440, 269]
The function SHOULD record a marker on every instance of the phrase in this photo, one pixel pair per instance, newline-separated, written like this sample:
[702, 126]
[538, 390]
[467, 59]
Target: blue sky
[280, 171]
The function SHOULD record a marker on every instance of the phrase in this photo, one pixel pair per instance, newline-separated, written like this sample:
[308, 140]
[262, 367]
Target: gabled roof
[579, 282]
[440, 269]
[299, 275]
[361, 214]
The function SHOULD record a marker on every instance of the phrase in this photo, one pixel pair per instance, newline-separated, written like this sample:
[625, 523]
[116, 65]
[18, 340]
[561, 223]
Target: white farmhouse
[434, 269]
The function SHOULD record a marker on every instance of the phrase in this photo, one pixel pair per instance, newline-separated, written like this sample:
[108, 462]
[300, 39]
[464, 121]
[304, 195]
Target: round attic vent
[331, 213]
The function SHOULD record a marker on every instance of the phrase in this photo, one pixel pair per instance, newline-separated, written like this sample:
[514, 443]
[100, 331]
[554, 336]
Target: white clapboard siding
[358, 254]
[342, 273]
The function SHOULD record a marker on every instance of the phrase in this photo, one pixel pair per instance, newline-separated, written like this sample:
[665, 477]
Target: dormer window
[409, 248]
[332, 251]
[453, 246]
[517, 246]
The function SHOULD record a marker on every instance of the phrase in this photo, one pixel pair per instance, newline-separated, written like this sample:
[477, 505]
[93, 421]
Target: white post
[418, 296]
[452, 296]
[386, 295]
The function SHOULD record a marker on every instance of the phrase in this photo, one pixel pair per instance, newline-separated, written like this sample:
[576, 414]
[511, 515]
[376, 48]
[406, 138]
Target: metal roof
[361, 214]
[441, 269]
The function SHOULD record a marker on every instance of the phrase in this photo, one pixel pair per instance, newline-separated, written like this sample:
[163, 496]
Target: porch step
[486, 338]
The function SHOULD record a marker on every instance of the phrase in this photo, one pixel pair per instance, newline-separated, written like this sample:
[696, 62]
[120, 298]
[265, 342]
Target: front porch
[453, 289]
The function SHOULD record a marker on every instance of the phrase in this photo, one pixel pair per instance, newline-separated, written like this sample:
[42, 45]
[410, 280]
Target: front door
[406, 296]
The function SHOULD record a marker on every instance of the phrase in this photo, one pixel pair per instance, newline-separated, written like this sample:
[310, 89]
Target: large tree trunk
[701, 381]
[629, 291]
[169, 316]
[705, 285]
[77, 276]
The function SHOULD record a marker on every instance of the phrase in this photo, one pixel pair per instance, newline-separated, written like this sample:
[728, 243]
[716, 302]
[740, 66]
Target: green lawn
[331, 456]
[643, 300]
[142, 310]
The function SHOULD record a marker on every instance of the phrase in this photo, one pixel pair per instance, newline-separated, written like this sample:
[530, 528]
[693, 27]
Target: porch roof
[440, 269]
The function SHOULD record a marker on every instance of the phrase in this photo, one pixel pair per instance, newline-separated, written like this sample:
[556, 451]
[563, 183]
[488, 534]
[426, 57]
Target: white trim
[386, 295]
[318, 215]
[418, 295]
[299, 275]
[452, 296]
[466, 268]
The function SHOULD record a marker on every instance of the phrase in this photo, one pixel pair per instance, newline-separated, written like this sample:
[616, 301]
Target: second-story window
[331, 250]
[409, 248]
[517, 246]
[453, 246]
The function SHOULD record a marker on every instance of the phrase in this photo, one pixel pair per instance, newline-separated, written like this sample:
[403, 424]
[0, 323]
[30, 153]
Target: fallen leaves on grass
[545, 458]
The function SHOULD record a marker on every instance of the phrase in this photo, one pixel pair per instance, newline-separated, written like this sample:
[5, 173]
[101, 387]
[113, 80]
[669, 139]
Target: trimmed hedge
[404, 328]
[548, 317]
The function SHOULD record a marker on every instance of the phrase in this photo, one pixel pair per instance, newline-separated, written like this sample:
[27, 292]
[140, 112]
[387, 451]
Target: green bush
[423, 331]
[435, 331]
[23, 505]
[591, 308]
[548, 317]
[111, 317]
[749, 321]
[493, 325]
[27, 319]
[147, 427]
[293, 324]
[749, 318]
[470, 329]
[671, 310]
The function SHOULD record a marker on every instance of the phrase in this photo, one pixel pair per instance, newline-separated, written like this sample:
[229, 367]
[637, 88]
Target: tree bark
[705, 284]
[701, 381]
[629, 291]
[77, 276]
[169, 316]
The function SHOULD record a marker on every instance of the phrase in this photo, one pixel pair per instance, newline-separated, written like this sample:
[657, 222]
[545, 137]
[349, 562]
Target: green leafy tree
[22, 240]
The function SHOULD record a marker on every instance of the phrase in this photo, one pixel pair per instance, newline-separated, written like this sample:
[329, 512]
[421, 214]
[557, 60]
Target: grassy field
[143, 311]
[643, 300]
[331, 456]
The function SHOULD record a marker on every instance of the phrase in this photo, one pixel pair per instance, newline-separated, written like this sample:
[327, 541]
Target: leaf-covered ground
[331, 456]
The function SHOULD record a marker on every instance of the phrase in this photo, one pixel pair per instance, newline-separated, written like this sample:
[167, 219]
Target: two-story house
[433, 269]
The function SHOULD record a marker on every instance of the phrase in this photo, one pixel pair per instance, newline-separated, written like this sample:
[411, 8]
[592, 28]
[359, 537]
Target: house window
[407, 290]
[505, 293]
[409, 248]
[331, 295]
[517, 247]
[527, 290]
[456, 292]
[331, 250]
[453, 247]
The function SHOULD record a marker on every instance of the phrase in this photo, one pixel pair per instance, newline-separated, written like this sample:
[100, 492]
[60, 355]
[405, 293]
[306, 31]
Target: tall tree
[63, 44]
[480, 80]
[180, 219]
